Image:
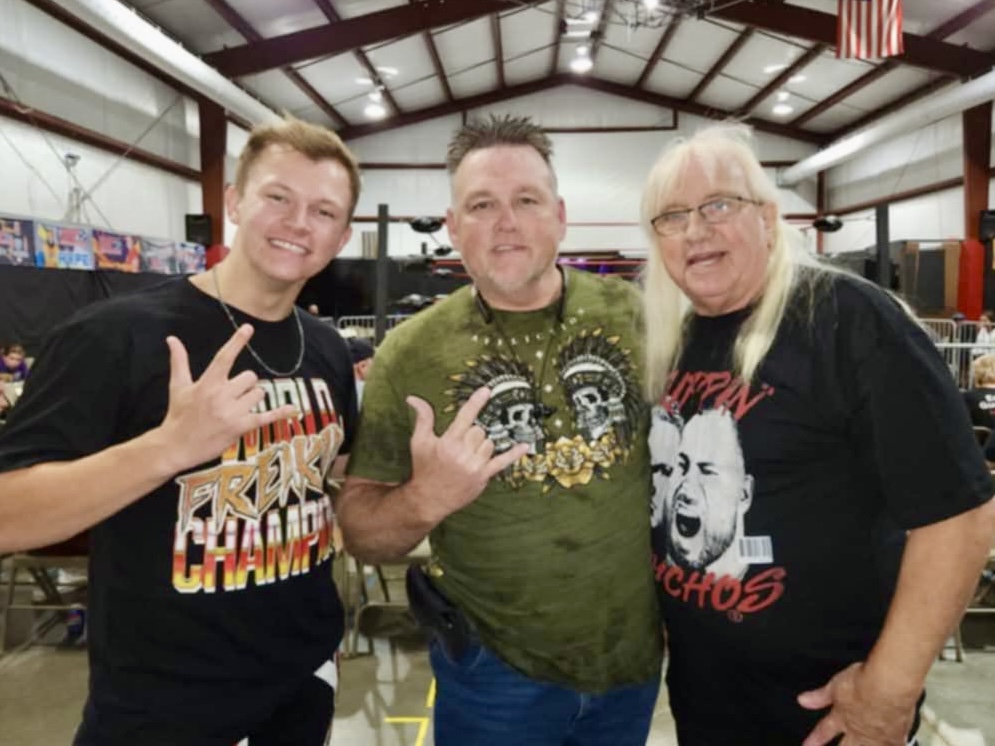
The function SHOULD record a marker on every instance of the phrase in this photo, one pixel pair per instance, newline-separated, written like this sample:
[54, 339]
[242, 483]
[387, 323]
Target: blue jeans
[482, 701]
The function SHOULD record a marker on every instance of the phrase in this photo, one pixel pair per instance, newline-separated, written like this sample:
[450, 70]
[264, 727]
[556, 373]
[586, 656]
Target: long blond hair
[718, 147]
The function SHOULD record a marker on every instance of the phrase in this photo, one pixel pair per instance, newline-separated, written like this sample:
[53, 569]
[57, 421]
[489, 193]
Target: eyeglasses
[713, 212]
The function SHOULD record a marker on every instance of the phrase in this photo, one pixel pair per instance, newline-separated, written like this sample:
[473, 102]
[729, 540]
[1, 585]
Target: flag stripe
[869, 29]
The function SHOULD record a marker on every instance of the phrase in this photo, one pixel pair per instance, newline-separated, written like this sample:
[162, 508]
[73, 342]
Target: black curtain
[33, 300]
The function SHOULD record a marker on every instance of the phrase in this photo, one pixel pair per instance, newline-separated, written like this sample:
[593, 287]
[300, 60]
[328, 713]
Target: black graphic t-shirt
[221, 577]
[779, 508]
[981, 406]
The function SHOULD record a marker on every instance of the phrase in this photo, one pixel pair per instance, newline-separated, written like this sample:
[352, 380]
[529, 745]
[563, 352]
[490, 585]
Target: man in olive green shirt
[535, 491]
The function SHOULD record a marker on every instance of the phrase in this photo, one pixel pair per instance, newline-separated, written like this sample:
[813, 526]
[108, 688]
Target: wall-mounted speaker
[198, 229]
[986, 231]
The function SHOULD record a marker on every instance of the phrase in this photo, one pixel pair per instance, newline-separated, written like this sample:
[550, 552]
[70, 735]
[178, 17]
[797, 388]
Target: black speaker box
[199, 229]
[987, 226]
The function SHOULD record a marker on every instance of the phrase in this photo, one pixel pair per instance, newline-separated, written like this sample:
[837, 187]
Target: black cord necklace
[248, 346]
[543, 410]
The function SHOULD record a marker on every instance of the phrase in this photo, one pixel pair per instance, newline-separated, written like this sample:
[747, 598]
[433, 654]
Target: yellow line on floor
[422, 726]
[430, 701]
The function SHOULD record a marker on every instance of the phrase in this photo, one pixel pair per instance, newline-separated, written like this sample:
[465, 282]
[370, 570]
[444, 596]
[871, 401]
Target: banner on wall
[117, 251]
[16, 242]
[48, 244]
[158, 256]
[190, 258]
[63, 247]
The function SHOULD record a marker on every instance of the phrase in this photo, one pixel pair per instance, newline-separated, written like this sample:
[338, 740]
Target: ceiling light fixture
[783, 95]
[782, 110]
[581, 64]
[374, 111]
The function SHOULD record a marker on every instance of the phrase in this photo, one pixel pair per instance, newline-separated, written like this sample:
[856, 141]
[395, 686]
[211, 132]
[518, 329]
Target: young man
[196, 446]
[536, 487]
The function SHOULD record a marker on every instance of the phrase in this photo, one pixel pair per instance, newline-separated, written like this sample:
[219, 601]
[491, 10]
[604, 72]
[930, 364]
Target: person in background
[980, 399]
[362, 358]
[507, 423]
[858, 564]
[192, 426]
[13, 363]
[314, 310]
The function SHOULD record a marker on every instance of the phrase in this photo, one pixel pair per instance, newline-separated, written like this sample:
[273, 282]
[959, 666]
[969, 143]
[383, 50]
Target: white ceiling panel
[726, 94]
[313, 114]
[611, 64]
[335, 78]
[698, 46]
[353, 8]
[825, 75]
[889, 87]
[276, 89]
[832, 119]
[279, 18]
[465, 46]
[979, 35]
[409, 56]
[528, 67]
[473, 81]
[640, 41]
[419, 95]
[195, 24]
[672, 80]
[759, 52]
[524, 32]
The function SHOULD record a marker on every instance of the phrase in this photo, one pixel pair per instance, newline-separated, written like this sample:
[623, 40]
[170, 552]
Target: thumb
[424, 418]
[817, 699]
[179, 364]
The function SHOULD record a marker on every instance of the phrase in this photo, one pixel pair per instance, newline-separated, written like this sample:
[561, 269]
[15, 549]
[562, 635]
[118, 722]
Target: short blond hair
[310, 140]
[984, 370]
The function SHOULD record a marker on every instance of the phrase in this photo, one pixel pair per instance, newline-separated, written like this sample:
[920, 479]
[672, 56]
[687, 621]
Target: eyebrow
[321, 201]
[677, 206]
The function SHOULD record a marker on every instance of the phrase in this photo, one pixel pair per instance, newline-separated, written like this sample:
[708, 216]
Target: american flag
[869, 29]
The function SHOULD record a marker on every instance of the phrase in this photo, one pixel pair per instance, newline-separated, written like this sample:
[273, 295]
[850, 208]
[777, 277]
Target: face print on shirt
[701, 490]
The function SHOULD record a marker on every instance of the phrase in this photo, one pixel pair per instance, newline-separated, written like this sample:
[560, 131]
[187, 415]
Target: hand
[862, 712]
[208, 415]
[451, 470]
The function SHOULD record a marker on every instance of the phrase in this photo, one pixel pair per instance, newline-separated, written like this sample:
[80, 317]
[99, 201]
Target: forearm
[381, 522]
[50, 502]
[939, 572]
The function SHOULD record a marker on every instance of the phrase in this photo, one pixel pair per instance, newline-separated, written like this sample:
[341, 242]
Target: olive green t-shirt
[551, 562]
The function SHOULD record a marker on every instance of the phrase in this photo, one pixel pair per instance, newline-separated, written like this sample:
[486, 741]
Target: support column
[820, 211]
[883, 250]
[213, 147]
[977, 128]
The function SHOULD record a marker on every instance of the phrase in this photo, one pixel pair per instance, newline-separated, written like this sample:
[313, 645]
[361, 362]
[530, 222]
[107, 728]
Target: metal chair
[70, 554]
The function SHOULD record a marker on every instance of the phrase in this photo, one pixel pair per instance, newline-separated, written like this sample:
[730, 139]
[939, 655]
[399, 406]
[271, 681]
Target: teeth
[288, 246]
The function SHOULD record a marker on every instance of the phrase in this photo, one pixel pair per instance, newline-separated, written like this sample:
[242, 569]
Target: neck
[244, 289]
[537, 294]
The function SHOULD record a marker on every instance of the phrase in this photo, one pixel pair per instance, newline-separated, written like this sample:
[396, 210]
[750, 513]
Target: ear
[346, 235]
[769, 214]
[561, 216]
[232, 202]
[747, 499]
[452, 227]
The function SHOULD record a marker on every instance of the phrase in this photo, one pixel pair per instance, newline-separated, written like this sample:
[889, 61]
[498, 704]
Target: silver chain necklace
[248, 345]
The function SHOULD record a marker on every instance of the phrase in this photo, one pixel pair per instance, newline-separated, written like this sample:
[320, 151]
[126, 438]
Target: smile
[705, 258]
[288, 246]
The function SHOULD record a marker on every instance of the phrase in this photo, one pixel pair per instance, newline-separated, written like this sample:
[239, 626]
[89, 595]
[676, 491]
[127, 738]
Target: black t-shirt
[780, 508]
[221, 577]
[981, 406]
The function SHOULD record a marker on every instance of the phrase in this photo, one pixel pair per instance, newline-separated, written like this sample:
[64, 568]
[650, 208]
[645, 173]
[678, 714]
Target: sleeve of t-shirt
[908, 417]
[70, 404]
[381, 450]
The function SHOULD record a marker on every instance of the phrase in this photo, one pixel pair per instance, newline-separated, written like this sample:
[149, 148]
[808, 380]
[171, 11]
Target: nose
[697, 227]
[507, 219]
[297, 217]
